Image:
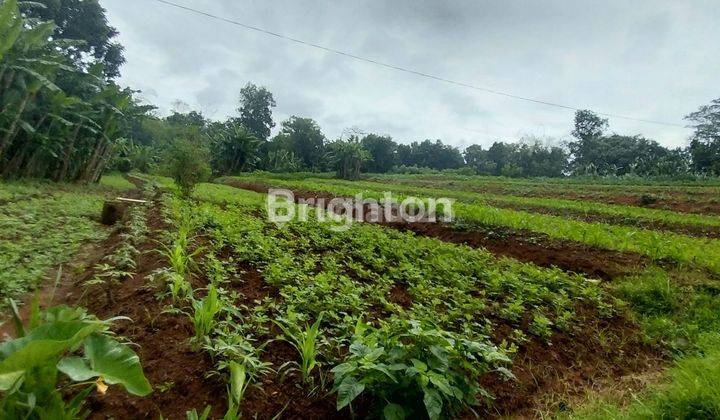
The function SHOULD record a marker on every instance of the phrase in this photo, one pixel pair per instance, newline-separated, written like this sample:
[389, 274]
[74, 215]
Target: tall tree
[305, 139]
[588, 130]
[382, 152]
[255, 110]
[588, 125]
[82, 20]
[233, 147]
[705, 144]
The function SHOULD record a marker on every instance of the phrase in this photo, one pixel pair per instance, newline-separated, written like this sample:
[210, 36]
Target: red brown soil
[674, 204]
[400, 295]
[537, 249]
[524, 246]
[176, 371]
[548, 377]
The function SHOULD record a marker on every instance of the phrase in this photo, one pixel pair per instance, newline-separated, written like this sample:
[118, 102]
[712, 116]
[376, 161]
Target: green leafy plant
[305, 342]
[421, 371]
[48, 345]
[204, 313]
[187, 165]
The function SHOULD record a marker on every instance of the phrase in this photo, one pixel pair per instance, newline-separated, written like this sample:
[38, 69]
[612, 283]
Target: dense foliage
[60, 118]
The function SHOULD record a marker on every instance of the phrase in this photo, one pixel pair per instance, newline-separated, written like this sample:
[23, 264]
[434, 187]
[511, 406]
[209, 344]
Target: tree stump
[113, 211]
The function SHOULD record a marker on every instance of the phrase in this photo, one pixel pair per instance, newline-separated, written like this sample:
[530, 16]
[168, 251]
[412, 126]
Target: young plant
[238, 385]
[415, 370]
[30, 364]
[239, 381]
[180, 263]
[204, 312]
[305, 342]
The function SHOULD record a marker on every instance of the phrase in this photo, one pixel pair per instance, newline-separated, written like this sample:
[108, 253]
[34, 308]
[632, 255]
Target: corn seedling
[305, 342]
[204, 312]
[238, 385]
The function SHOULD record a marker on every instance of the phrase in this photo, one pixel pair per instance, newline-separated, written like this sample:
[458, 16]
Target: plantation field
[43, 224]
[524, 306]
[688, 197]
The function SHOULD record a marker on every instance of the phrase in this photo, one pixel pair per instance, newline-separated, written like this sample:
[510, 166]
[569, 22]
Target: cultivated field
[541, 298]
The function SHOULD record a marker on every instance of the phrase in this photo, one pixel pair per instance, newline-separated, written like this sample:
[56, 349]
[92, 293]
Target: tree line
[243, 143]
[63, 117]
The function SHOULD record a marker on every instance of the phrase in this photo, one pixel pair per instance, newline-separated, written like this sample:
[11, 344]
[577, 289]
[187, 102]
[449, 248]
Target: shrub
[187, 165]
[415, 370]
[648, 199]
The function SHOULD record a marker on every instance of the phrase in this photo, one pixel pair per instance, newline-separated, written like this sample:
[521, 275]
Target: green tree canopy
[82, 20]
[347, 157]
[382, 151]
[255, 110]
[306, 140]
[705, 144]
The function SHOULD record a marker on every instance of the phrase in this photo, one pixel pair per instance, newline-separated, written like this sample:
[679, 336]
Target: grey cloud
[650, 59]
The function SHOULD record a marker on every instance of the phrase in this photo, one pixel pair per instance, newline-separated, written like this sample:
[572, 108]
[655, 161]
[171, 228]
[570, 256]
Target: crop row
[388, 297]
[578, 206]
[636, 184]
[659, 246]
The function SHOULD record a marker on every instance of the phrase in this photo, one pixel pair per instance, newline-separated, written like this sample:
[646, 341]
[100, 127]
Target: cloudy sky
[656, 60]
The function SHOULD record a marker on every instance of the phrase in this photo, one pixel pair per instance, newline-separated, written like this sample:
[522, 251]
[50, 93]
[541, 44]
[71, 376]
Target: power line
[404, 69]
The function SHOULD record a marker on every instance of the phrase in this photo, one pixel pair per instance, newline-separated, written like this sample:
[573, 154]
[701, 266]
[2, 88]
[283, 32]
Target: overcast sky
[655, 60]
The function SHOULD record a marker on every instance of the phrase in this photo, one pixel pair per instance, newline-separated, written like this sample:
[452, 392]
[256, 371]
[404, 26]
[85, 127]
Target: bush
[187, 165]
[415, 371]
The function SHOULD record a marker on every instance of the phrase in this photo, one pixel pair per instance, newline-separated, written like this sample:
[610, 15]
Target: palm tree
[347, 157]
[234, 148]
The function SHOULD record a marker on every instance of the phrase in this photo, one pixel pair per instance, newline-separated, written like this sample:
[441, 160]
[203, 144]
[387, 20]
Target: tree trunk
[90, 167]
[62, 173]
[15, 163]
[100, 165]
[32, 163]
[13, 126]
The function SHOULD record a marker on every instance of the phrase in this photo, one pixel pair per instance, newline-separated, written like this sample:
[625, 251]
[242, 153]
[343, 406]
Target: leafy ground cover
[388, 279]
[42, 225]
[303, 320]
[679, 310]
[659, 246]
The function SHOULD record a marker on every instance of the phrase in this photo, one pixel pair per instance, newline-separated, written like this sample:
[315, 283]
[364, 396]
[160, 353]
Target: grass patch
[117, 181]
[692, 391]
